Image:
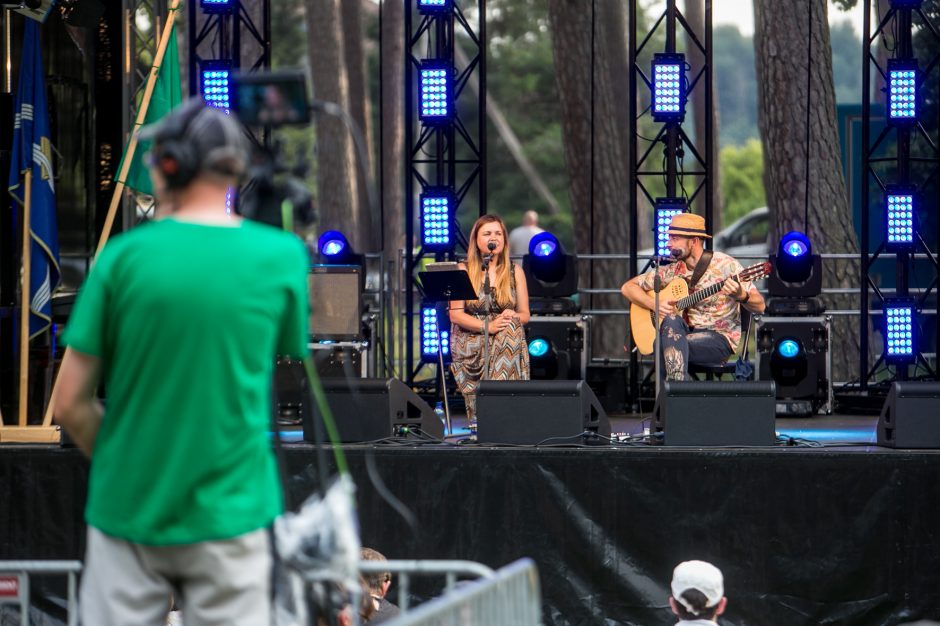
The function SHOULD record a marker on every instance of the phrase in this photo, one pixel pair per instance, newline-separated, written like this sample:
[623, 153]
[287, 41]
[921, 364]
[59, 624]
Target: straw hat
[688, 225]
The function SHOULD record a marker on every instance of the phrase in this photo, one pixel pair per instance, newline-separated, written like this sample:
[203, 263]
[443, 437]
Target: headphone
[173, 153]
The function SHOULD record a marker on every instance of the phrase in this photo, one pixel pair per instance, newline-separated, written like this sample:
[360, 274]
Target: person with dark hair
[182, 319]
[710, 330]
[336, 608]
[378, 584]
[501, 314]
[698, 593]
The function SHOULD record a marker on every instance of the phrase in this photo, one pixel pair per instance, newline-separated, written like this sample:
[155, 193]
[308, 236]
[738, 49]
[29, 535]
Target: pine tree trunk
[393, 129]
[695, 16]
[780, 44]
[359, 109]
[599, 181]
[336, 184]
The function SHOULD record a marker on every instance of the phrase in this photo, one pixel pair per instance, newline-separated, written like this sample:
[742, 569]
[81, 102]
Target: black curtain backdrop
[847, 536]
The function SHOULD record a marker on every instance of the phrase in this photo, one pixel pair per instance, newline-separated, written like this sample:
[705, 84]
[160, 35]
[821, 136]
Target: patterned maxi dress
[507, 350]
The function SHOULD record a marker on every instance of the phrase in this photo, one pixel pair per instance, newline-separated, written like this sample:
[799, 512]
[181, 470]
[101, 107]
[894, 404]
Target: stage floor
[849, 431]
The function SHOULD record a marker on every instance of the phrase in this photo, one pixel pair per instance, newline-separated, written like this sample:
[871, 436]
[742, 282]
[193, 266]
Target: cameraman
[182, 318]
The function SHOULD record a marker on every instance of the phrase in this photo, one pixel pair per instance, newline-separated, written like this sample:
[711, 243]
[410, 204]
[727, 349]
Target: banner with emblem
[32, 150]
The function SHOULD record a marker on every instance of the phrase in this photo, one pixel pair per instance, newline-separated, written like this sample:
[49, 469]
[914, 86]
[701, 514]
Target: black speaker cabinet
[367, 409]
[289, 386]
[910, 417]
[716, 413]
[609, 383]
[532, 411]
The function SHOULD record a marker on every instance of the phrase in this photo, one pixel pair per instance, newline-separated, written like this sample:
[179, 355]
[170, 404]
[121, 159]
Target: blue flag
[33, 150]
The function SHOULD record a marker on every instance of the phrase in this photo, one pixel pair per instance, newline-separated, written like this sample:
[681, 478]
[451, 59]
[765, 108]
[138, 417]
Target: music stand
[443, 282]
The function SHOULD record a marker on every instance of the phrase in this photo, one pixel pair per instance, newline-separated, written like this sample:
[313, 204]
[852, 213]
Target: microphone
[664, 260]
[489, 257]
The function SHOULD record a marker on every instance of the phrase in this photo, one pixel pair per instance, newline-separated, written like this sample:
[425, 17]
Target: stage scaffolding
[242, 38]
[448, 154]
[671, 170]
[915, 162]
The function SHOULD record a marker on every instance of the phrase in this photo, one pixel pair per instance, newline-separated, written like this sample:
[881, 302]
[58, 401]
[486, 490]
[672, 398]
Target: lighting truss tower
[228, 34]
[902, 184]
[445, 134]
[663, 80]
[140, 48]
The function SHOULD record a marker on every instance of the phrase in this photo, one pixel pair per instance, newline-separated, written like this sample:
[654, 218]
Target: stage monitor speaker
[716, 413]
[335, 302]
[910, 417]
[368, 409]
[534, 411]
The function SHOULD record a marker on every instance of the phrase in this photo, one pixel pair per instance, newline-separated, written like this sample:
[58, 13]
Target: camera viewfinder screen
[277, 99]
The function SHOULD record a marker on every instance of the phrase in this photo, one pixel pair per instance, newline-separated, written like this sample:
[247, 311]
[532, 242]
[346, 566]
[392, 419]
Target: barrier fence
[510, 595]
[14, 584]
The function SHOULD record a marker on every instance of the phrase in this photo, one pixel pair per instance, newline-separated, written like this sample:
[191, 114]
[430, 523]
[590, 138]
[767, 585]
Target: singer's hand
[498, 323]
[733, 289]
[667, 307]
[508, 313]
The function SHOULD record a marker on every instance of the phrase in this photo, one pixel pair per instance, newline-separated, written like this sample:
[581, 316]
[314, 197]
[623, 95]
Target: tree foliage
[742, 179]
[733, 57]
[520, 77]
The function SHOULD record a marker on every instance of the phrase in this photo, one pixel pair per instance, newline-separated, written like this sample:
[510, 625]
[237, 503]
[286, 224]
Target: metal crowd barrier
[14, 584]
[510, 595]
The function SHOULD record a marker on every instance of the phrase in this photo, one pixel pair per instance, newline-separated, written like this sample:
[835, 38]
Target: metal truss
[671, 136]
[242, 38]
[452, 154]
[142, 24]
[235, 38]
[917, 167]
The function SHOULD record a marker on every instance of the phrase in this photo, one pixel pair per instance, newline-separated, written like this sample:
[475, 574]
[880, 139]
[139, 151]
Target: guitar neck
[694, 298]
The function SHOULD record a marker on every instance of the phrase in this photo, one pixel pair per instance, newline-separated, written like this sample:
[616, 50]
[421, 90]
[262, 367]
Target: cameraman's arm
[77, 408]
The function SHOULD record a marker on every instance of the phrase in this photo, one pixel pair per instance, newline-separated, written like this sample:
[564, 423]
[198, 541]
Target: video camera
[271, 100]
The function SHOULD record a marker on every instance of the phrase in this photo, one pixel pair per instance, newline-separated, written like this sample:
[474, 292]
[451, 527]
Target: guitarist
[709, 331]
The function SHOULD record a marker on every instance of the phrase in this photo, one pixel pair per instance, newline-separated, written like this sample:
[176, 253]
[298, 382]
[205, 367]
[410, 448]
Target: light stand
[443, 282]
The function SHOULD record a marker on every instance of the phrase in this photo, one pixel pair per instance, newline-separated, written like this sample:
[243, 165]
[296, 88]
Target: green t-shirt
[187, 319]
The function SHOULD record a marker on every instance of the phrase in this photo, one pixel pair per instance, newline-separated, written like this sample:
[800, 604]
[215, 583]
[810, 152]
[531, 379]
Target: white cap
[701, 576]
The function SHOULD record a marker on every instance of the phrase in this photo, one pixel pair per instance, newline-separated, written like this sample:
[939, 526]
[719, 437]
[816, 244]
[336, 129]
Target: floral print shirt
[719, 313]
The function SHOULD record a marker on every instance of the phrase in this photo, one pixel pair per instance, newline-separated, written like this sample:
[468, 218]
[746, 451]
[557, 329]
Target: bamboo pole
[24, 295]
[141, 116]
[125, 167]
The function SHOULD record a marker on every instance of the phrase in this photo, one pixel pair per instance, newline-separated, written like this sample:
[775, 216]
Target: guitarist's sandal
[642, 322]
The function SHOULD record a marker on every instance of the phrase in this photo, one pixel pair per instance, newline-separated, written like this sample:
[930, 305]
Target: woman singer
[501, 313]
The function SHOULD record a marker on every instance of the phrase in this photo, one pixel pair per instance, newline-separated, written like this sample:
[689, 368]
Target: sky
[741, 13]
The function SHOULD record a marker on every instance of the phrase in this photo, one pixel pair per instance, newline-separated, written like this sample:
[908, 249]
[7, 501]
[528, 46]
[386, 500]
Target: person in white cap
[698, 593]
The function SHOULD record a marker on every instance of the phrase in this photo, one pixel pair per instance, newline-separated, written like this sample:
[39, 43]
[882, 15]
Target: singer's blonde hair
[503, 286]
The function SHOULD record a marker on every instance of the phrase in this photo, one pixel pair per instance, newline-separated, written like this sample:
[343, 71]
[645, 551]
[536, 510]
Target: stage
[841, 533]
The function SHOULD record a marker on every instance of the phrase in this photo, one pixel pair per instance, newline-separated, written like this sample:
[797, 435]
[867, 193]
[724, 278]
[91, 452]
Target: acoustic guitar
[642, 322]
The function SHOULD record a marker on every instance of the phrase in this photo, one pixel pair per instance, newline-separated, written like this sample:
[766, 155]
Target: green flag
[167, 94]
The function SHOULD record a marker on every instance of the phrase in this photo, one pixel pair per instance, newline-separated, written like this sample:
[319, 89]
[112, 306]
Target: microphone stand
[657, 287]
[486, 315]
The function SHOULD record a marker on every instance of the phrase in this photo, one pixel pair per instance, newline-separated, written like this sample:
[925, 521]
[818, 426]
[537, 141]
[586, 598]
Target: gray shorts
[215, 583]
